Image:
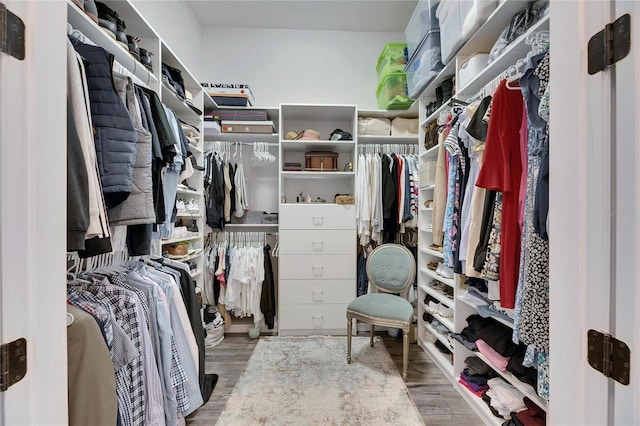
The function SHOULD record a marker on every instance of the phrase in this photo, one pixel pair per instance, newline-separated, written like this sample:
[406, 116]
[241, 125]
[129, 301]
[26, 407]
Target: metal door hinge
[13, 363]
[610, 45]
[609, 356]
[11, 33]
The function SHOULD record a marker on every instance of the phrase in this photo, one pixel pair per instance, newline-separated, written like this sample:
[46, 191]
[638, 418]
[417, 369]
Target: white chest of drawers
[317, 268]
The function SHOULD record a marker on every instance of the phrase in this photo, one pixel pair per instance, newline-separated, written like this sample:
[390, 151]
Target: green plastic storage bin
[392, 59]
[392, 92]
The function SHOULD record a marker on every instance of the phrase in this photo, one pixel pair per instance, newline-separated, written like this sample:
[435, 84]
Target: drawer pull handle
[318, 245]
[317, 321]
[318, 220]
[317, 298]
[320, 270]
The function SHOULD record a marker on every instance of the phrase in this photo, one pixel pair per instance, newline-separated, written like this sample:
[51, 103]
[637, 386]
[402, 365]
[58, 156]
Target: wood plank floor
[438, 402]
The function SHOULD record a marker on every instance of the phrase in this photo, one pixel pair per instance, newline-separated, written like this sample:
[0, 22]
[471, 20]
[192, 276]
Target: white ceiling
[330, 15]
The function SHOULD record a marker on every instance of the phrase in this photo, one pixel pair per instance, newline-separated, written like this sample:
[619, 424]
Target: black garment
[477, 128]
[389, 198]
[495, 334]
[232, 178]
[462, 178]
[268, 297]
[77, 187]
[139, 239]
[166, 137]
[115, 136]
[157, 159]
[188, 290]
[215, 196]
[524, 374]
[95, 246]
[485, 231]
[361, 271]
[541, 209]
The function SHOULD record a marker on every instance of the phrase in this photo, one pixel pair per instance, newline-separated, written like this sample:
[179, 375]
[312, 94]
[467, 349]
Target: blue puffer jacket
[114, 135]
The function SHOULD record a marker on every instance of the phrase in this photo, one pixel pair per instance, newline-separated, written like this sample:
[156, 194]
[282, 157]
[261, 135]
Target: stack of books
[230, 94]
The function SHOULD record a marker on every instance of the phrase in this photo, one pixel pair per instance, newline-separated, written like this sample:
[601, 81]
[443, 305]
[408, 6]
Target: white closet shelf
[526, 389]
[432, 274]
[425, 229]
[80, 21]
[441, 360]
[442, 298]
[194, 215]
[181, 239]
[243, 137]
[317, 145]
[182, 110]
[431, 153]
[195, 273]
[432, 252]
[426, 209]
[436, 113]
[518, 49]
[248, 227]
[317, 175]
[447, 322]
[427, 188]
[474, 302]
[322, 113]
[481, 407]
[481, 41]
[209, 103]
[387, 139]
[442, 337]
[412, 112]
[188, 192]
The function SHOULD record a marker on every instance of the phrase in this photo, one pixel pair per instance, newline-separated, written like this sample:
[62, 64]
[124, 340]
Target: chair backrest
[391, 268]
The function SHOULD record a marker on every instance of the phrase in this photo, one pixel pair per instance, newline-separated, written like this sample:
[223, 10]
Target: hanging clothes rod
[244, 143]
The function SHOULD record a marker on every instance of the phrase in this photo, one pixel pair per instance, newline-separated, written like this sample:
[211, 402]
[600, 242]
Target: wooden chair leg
[349, 331]
[405, 353]
[371, 335]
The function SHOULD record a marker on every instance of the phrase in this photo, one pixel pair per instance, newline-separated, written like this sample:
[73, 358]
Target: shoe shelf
[448, 281]
[81, 22]
[441, 360]
[440, 336]
[181, 239]
[431, 251]
[188, 192]
[447, 322]
[434, 115]
[182, 110]
[193, 215]
[442, 298]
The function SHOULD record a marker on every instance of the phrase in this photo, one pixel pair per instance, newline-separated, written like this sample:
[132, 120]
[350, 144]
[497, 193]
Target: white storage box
[471, 68]
[422, 21]
[425, 64]
[368, 126]
[458, 20]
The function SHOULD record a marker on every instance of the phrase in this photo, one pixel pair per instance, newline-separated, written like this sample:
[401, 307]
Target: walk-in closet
[398, 212]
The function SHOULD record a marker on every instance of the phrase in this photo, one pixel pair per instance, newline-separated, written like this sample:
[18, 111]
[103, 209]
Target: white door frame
[33, 213]
[587, 266]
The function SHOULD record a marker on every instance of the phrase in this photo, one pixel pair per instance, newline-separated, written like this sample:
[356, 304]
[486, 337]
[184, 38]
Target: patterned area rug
[307, 381]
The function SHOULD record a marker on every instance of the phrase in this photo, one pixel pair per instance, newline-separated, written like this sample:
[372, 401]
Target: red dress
[502, 171]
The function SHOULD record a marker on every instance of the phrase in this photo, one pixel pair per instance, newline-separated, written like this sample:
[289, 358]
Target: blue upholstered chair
[391, 269]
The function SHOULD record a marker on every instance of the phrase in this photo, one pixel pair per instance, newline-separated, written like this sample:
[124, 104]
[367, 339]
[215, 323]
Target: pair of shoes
[145, 59]
[111, 22]
[433, 307]
[132, 42]
[445, 311]
[179, 232]
[432, 265]
[448, 291]
[444, 271]
[436, 247]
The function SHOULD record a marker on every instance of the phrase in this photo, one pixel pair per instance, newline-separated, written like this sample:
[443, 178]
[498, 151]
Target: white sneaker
[192, 206]
[433, 307]
[446, 272]
[181, 206]
[445, 311]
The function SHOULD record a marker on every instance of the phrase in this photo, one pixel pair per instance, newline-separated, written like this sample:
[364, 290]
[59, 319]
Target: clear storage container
[422, 21]
[392, 92]
[458, 20]
[392, 59]
[425, 64]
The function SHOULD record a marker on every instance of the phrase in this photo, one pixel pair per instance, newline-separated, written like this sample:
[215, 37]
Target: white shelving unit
[463, 305]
